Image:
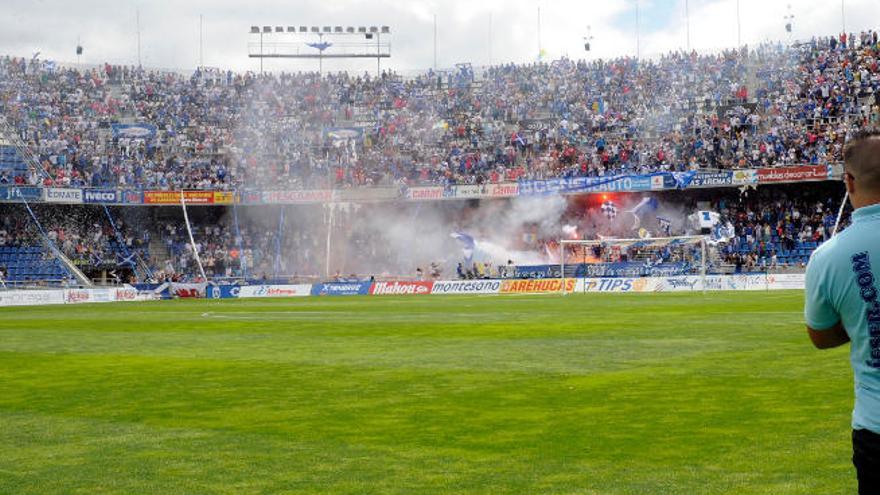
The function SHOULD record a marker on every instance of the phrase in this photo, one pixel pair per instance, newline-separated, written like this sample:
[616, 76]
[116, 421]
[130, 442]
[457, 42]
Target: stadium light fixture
[372, 46]
[588, 39]
[789, 20]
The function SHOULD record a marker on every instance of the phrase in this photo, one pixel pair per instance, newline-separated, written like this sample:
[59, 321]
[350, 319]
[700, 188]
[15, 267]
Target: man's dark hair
[862, 158]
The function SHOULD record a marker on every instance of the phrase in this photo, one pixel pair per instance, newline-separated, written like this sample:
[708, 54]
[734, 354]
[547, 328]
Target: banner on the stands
[470, 191]
[64, 195]
[425, 193]
[281, 197]
[744, 176]
[793, 174]
[466, 287]
[28, 193]
[173, 197]
[297, 290]
[504, 190]
[161, 197]
[133, 131]
[223, 198]
[618, 183]
[713, 179]
[101, 196]
[132, 197]
[341, 289]
[251, 197]
[401, 288]
[537, 286]
[658, 182]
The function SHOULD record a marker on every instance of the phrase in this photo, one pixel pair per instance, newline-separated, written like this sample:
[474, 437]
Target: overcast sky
[169, 29]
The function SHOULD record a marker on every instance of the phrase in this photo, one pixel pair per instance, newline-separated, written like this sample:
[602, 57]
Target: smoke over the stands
[394, 239]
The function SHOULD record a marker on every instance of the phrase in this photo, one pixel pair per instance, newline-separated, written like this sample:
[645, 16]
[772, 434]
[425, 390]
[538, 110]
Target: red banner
[435, 192]
[401, 288]
[793, 174]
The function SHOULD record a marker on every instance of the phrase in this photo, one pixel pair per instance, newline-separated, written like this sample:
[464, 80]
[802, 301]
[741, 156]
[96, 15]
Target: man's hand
[826, 339]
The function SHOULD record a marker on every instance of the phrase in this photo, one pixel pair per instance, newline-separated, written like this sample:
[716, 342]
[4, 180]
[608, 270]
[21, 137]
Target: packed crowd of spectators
[779, 228]
[765, 106]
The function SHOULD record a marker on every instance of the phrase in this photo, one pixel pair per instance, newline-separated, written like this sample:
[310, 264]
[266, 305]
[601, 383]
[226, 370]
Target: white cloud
[714, 23]
[169, 29]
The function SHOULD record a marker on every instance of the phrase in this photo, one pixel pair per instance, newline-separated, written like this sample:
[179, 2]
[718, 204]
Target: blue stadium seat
[30, 263]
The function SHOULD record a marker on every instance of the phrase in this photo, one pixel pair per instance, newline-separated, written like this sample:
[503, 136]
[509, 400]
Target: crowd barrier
[690, 283]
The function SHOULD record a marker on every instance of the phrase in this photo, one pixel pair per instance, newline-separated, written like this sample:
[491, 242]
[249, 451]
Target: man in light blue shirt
[843, 300]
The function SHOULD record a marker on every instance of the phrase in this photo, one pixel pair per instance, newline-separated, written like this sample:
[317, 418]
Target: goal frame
[704, 251]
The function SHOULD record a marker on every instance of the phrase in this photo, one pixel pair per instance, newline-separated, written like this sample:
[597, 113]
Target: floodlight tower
[588, 39]
[300, 42]
[789, 23]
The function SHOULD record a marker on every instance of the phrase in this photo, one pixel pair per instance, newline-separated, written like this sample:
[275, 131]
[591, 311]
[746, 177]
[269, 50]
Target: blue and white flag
[665, 225]
[468, 244]
[609, 209]
[683, 179]
[646, 205]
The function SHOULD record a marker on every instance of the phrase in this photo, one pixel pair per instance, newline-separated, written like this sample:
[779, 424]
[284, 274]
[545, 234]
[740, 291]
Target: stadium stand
[124, 127]
[766, 106]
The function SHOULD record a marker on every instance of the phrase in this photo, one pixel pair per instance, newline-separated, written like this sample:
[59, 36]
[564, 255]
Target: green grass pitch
[586, 394]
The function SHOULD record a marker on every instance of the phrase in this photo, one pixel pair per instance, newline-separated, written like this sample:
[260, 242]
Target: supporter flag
[467, 244]
[609, 209]
[645, 206]
[665, 225]
[683, 179]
